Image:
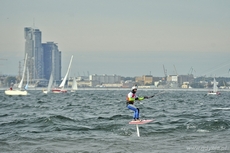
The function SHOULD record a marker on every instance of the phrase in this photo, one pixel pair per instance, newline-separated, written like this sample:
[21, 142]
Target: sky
[123, 37]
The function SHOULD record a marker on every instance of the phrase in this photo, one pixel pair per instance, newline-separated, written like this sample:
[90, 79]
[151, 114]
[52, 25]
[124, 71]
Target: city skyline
[127, 38]
[43, 58]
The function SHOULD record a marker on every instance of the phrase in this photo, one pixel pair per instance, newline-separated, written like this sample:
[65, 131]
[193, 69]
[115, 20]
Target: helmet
[133, 88]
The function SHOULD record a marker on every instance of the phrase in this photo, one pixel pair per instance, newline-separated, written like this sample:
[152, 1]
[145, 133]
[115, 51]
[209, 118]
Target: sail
[215, 88]
[74, 86]
[23, 73]
[27, 81]
[64, 80]
[50, 82]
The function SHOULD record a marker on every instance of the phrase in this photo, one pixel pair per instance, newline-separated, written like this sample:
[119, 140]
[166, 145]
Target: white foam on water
[222, 108]
[202, 131]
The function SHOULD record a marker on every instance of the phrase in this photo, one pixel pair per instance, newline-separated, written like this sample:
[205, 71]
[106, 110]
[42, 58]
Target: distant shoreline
[141, 89]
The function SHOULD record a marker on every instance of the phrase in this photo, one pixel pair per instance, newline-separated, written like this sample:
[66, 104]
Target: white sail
[19, 91]
[27, 81]
[74, 86]
[215, 88]
[50, 82]
[23, 73]
[67, 73]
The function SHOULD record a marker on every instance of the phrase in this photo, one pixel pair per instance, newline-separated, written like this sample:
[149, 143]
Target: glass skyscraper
[33, 48]
[52, 60]
[43, 58]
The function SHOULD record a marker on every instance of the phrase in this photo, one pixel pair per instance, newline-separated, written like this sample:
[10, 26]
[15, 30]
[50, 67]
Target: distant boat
[61, 88]
[74, 85]
[19, 91]
[49, 84]
[215, 89]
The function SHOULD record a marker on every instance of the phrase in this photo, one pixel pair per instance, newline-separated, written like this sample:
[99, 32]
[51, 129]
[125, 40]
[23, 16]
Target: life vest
[128, 98]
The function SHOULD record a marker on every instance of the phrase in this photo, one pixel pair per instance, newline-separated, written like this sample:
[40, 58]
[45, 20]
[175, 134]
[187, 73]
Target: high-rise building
[52, 60]
[43, 58]
[33, 48]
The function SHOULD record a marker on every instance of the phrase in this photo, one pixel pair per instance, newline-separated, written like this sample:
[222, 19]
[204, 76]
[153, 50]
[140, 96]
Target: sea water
[89, 121]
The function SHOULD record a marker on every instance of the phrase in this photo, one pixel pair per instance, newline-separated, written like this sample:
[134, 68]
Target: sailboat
[62, 85]
[27, 80]
[215, 89]
[19, 91]
[49, 84]
[74, 85]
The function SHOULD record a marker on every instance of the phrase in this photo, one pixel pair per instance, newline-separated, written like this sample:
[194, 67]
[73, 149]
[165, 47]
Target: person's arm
[142, 98]
[139, 98]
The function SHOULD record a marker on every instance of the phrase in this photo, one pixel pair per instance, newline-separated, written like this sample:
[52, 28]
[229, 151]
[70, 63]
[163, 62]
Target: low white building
[104, 79]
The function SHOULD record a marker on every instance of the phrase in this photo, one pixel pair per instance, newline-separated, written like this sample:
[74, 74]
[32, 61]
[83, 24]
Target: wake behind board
[140, 122]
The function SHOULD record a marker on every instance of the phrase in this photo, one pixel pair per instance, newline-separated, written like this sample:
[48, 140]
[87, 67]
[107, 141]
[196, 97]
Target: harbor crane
[191, 71]
[175, 70]
[165, 72]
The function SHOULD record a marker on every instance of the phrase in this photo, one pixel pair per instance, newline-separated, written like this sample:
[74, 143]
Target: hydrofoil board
[140, 122]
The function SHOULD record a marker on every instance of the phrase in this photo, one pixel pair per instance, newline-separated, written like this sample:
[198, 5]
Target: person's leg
[136, 111]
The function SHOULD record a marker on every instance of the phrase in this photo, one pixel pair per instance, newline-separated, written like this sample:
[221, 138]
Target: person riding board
[130, 98]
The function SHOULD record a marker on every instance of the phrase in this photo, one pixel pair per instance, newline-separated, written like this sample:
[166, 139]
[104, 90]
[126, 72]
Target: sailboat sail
[27, 82]
[64, 80]
[74, 86]
[50, 82]
[23, 74]
[215, 88]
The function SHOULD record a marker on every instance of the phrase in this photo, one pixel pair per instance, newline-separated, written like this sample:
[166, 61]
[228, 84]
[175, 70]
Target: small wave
[180, 100]
[14, 122]
[40, 101]
[61, 118]
[113, 117]
[212, 125]
[38, 122]
[3, 115]
[202, 131]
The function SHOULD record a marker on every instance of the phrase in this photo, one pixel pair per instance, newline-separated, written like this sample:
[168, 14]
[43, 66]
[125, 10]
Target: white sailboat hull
[45, 91]
[16, 92]
[213, 93]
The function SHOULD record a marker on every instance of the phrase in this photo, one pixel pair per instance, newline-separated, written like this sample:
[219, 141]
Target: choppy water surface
[97, 121]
